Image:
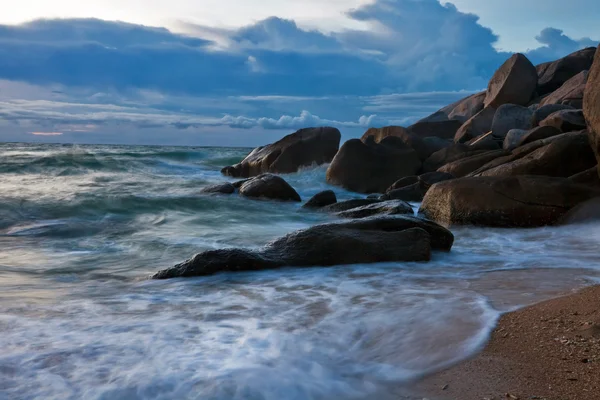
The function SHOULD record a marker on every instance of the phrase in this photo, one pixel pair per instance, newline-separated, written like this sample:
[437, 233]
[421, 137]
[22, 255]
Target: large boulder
[460, 110]
[513, 83]
[591, 106]
[321, 199]
[564, 157]
[391, 207]
[372, 240]
[424, 146]
[465, 166]
[570, 92]
[441, 129]
[303, 148]
[371, 167]
[552, 75]
[268, 186]
[588, 177]
[544, 112]
[510, 116]
[478, 125]
[513, 201]
[566, 120]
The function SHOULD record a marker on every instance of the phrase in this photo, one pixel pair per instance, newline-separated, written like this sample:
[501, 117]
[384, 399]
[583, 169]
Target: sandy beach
[548, 351]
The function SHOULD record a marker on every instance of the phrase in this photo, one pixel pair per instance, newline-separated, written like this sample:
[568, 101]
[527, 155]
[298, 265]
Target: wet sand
[548, 351]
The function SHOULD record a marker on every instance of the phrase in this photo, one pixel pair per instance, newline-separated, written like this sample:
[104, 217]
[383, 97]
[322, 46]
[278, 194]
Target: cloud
[409, 58]
[556, 44]
[47, 133]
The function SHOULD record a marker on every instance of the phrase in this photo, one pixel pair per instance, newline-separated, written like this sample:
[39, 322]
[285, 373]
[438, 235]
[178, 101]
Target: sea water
[83, 227]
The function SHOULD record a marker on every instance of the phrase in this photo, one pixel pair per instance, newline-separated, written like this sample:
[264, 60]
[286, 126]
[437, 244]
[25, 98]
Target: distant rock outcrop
[303, 148]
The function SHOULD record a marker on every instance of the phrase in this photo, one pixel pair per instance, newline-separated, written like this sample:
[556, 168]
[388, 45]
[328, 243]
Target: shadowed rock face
[391, 207]
[591, 106]
[563, 157]
[321, 199]
[303, 148]
[571, 90]
[513, 83]
[271, 187]
[365, 241]
[552, 75]
[566, 120]
[545, 111]
[516, 201]
[371, 167]
[223, 188]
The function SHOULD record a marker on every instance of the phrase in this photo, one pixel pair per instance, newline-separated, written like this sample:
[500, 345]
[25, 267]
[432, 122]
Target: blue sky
[226, 72]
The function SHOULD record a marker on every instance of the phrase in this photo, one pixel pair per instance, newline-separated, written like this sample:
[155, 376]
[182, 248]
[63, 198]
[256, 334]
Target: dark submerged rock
[223, 188]
[268, 186]
[303, 148]
[392, 207]
[321, 200]
[349, 205]
[370, 240]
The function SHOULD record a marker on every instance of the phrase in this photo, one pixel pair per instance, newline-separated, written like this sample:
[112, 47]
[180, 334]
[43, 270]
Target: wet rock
[371, 240]
[571, 90]
[514, 201]
[392, 207]
[510, 116]
[478, 125]
[552, 75]
[270, 187]
[562, 158]
[467, 165]
[321, 200]
[372, 168]
[566, 120]
[223, 188]
[513, 83]
[305, 147]
[349, 204]
[588, 211]
[545, 111]
[591, 106]
[238, 184]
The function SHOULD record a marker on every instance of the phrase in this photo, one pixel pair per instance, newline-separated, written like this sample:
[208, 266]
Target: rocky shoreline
[524, 153]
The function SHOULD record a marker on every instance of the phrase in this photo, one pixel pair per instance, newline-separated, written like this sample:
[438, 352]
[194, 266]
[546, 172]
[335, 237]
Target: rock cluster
[523, 153]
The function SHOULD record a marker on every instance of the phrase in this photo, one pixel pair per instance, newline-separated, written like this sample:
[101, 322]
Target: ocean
[83, 227]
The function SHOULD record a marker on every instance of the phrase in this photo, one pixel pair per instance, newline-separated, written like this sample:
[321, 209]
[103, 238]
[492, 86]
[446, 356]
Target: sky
[232, 72]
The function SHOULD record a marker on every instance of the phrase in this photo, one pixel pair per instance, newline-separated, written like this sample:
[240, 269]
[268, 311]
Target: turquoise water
[82, 228]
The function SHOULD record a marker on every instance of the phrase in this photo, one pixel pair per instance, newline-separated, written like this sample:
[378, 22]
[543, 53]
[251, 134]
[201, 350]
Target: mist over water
[82, 228]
